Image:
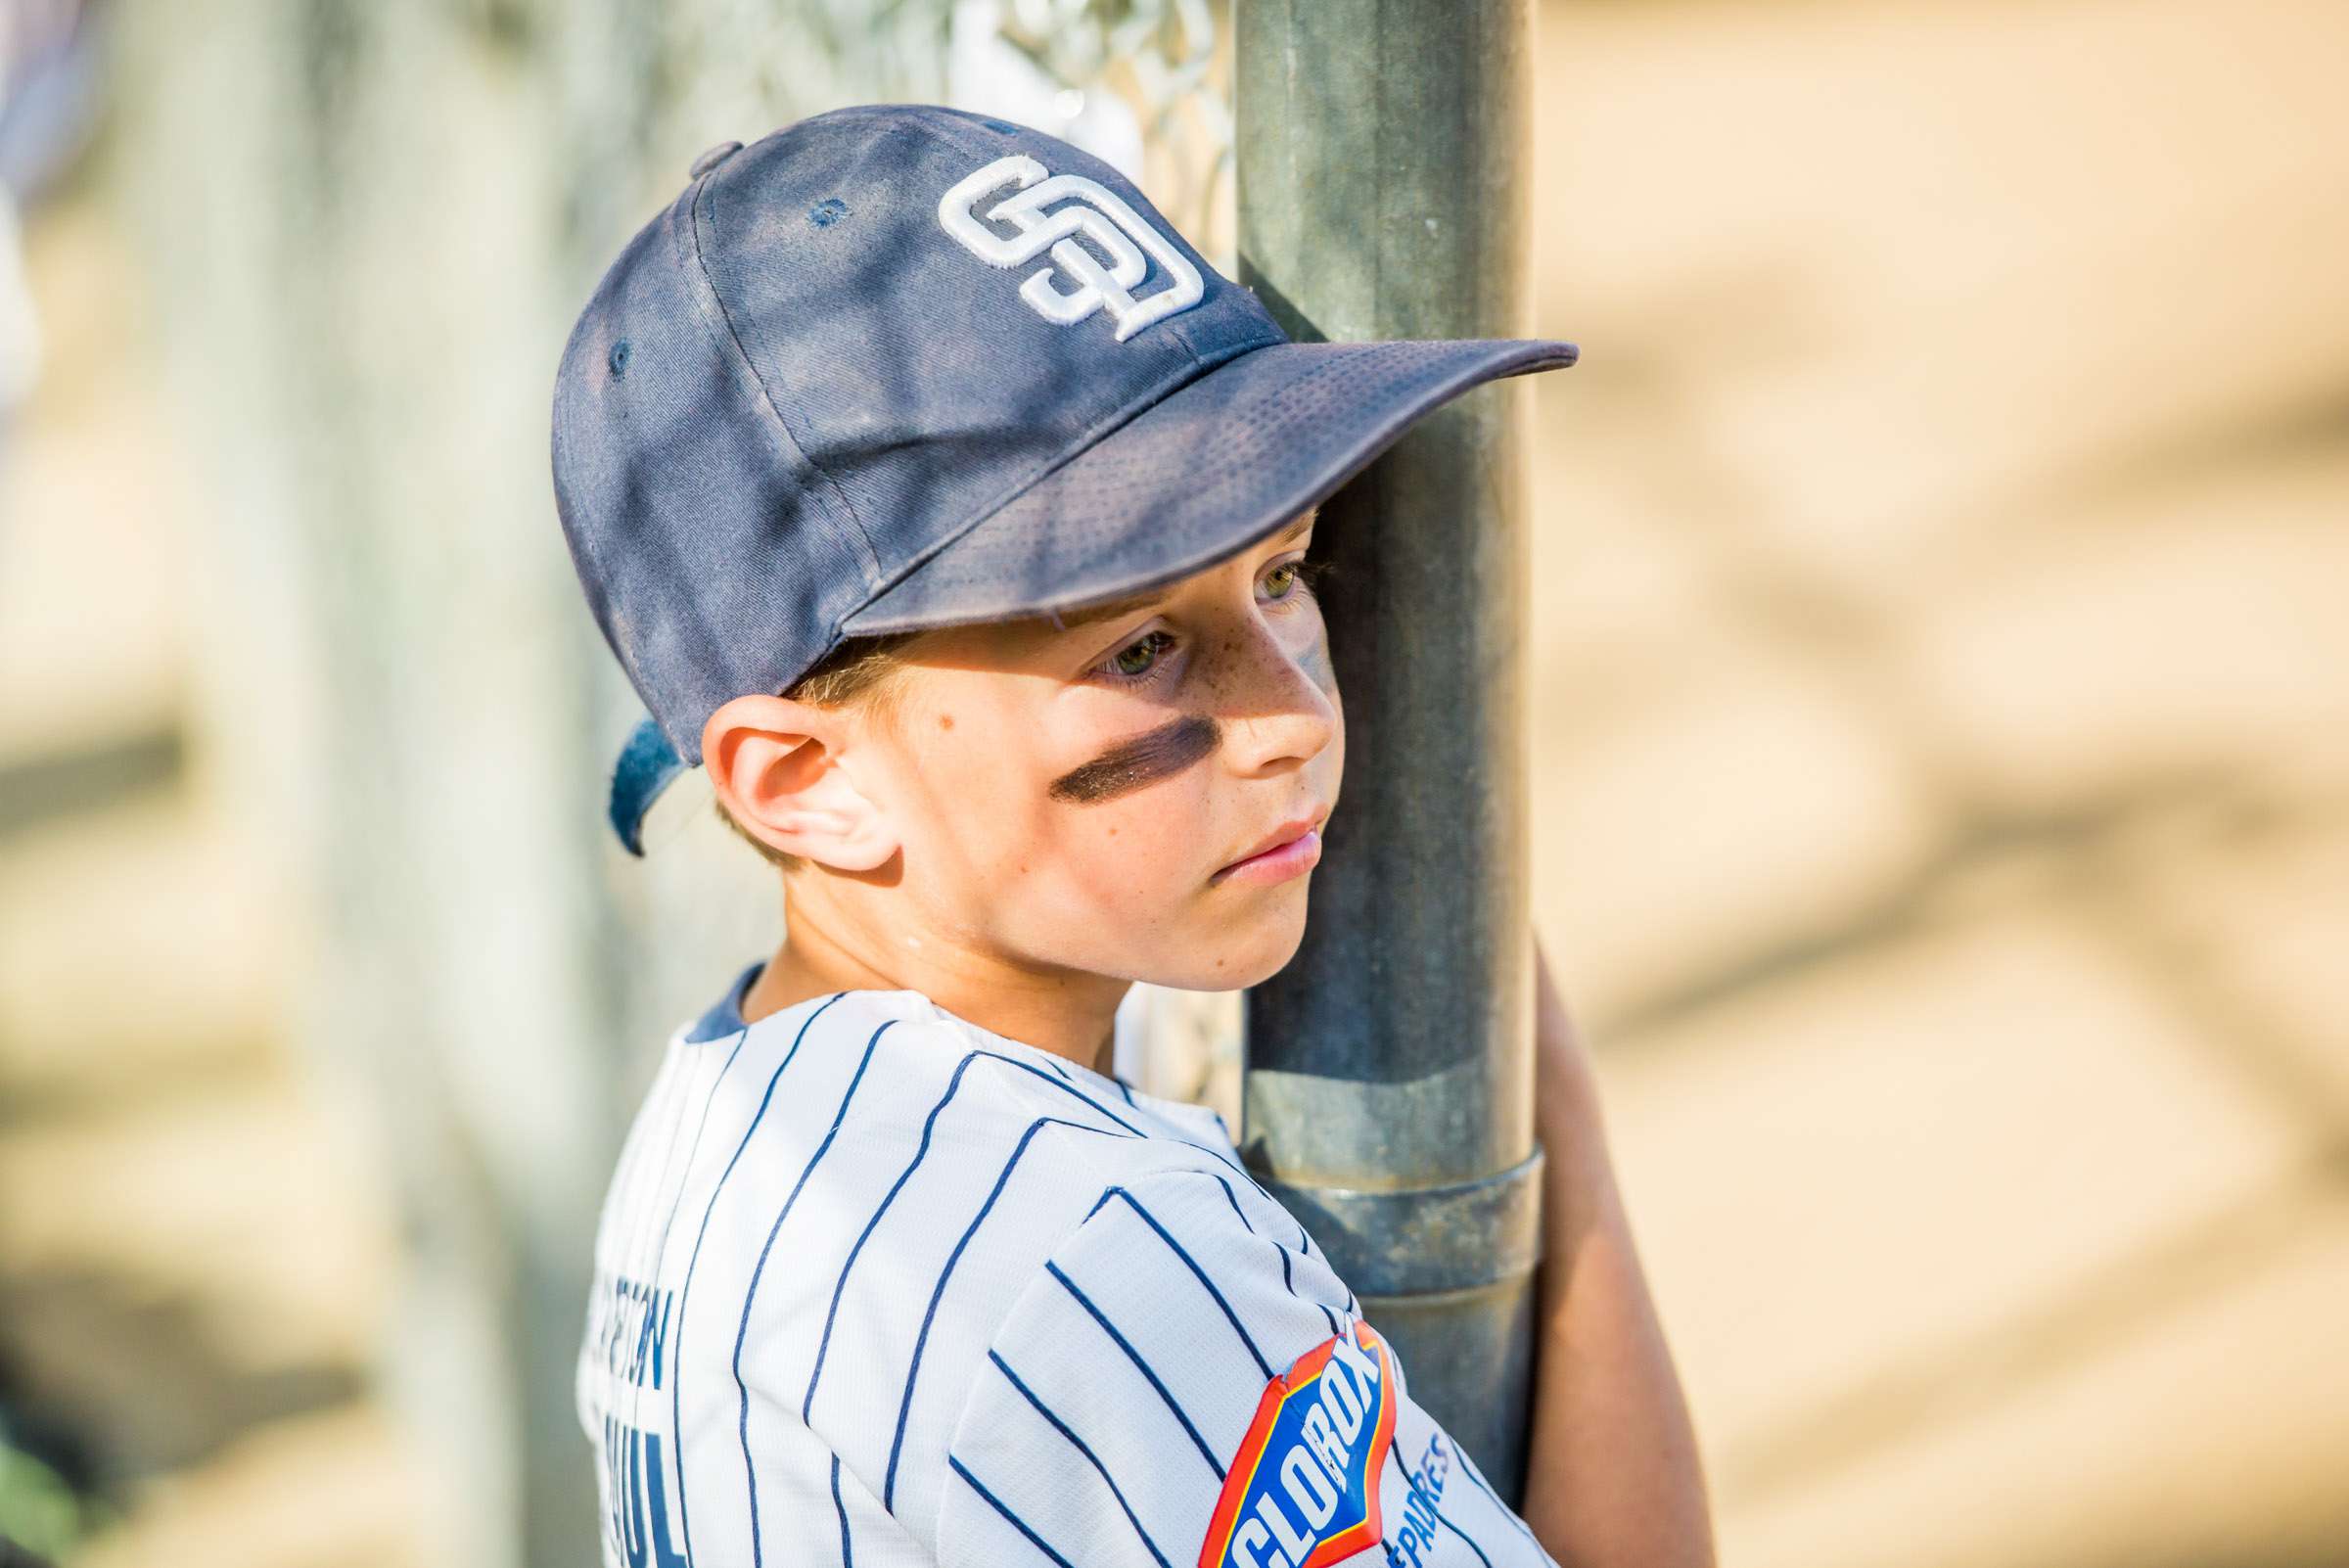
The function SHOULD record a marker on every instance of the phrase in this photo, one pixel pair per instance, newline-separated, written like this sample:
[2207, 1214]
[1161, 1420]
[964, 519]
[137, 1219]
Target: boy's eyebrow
[1070, 619]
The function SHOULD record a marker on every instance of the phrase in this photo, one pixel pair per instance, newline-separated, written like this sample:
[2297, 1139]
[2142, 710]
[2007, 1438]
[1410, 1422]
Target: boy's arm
[1613, 1476]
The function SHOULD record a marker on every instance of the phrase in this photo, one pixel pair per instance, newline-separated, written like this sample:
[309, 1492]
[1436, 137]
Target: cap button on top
[712, 158]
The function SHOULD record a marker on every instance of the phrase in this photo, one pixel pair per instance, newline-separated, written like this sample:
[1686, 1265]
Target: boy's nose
[1282, 701]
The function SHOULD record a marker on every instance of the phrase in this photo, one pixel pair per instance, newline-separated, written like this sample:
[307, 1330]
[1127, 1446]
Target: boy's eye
[1295, 578]
[1133, 664]
[1150, 647]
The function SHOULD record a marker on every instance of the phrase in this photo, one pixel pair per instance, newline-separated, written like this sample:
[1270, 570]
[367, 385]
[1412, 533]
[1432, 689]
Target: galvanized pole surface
[1388, 1100]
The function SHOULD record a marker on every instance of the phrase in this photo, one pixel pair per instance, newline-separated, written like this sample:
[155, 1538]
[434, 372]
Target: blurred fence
[356, 234]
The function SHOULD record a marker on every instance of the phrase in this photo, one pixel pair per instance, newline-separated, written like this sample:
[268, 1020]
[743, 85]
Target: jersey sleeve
[1186, 1384]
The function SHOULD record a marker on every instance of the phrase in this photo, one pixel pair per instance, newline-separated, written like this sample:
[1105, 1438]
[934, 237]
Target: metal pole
[1387, 1095]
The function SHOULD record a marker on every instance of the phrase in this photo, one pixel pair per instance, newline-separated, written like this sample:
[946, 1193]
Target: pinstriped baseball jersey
[876, 1286]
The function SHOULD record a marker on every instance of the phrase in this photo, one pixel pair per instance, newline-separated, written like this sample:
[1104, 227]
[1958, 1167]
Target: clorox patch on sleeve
[1303, 1490]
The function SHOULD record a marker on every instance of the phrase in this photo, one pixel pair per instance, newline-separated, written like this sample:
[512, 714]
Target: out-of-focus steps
[192, 1270]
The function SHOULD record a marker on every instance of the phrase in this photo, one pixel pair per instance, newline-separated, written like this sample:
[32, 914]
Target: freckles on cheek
[1123, 837]
[972, 805]
[1118, 861]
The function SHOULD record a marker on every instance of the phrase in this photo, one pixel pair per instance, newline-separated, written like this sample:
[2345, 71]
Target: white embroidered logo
[1112, 227]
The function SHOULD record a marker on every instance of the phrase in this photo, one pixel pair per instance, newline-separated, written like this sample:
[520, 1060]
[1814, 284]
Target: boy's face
[1071, 796]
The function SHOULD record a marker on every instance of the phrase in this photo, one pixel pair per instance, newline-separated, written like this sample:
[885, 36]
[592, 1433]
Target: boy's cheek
[1122, 855]
[1315, 662]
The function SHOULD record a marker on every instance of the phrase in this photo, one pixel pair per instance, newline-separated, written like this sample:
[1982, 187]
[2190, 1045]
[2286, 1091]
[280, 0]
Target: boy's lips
[1293, 846]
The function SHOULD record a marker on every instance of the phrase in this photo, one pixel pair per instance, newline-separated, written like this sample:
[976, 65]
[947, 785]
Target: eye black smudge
[1144, 759]
[1317, 667]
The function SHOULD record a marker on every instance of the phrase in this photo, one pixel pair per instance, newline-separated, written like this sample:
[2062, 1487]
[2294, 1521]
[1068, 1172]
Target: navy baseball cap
[900, 366]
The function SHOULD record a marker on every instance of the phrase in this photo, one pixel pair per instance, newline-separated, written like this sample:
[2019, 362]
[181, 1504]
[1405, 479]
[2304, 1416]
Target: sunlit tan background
[1941, 749]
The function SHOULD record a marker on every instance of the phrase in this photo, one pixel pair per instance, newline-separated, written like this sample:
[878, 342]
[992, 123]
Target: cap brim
[1208, 470]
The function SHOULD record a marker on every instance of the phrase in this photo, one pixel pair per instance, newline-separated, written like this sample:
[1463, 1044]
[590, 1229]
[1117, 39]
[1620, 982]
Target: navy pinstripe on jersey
[876, 1286]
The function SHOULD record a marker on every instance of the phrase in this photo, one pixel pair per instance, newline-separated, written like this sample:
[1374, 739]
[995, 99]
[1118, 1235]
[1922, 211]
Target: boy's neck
[1074, 1017]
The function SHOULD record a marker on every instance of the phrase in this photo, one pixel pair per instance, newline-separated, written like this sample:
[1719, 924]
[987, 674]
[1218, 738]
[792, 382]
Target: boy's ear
[773, 763]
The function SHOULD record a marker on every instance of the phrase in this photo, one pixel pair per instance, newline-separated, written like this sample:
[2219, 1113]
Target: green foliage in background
[38, 1511]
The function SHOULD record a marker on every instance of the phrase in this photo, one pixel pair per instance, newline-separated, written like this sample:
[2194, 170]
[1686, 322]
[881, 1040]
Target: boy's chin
[1238, 955]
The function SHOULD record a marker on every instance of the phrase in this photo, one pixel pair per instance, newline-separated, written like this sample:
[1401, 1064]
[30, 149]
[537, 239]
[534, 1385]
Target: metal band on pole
[1388, 1097]
[1425, 1241]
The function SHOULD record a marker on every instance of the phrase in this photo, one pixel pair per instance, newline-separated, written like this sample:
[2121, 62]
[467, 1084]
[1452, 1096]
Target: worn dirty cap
[900, 366]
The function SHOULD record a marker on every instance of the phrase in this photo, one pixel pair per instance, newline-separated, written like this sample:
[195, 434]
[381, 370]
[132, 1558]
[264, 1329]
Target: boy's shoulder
[903, 1151]
[911, 1060]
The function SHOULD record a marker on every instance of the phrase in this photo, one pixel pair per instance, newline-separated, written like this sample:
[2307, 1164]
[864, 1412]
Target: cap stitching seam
[603, 598]
[855, 535]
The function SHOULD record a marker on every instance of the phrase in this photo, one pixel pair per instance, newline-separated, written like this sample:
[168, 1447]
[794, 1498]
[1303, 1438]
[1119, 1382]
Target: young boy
[944, 505]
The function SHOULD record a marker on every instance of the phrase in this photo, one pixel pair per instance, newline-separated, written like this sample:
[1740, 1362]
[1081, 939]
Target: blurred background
[1940, 733]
